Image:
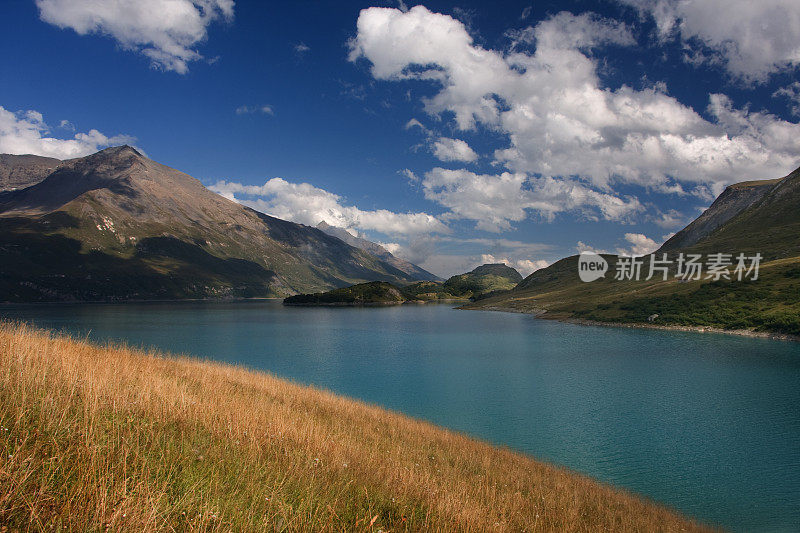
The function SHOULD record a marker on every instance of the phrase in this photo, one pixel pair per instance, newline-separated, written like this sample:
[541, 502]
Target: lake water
[708, 424]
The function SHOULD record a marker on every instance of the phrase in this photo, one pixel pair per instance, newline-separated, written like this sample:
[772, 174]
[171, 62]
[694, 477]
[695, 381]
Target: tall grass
[96, 438]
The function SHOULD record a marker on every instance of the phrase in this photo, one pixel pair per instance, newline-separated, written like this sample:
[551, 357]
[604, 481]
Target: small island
[373, 293]
[484, 280]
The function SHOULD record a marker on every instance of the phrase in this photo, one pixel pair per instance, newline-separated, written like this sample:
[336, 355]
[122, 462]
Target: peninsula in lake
[482, 281]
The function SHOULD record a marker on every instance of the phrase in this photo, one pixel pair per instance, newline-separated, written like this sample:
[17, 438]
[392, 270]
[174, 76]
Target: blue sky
[454, 132]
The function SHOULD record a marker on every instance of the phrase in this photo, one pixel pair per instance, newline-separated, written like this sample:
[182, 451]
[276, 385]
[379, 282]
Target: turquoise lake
[708, 424]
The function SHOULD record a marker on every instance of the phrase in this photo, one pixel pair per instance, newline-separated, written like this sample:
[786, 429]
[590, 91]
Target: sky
[453, 132]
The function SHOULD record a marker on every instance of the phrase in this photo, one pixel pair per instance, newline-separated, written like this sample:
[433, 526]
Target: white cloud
[495, 201]
[561, 123]
[301, 48]
[752, 39]
[25, 132]
[639, 244]
[250, 110]
[447, 149]
[166, 31]
[414, 123]
[670, 219]
[410, 176]
[581, 246]
[792, 92]
[392, 247]
[306, 204]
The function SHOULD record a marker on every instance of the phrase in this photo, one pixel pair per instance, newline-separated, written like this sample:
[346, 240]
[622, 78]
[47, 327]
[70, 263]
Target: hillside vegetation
[479, 282]
[751, 217]
[96, 438]
[770, 304]
[374, 292]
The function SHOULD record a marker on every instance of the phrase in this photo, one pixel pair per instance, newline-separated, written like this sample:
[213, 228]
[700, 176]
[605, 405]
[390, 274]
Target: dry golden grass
[95, 438]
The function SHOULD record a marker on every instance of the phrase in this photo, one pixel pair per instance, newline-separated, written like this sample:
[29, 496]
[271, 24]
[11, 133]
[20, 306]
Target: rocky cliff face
[749, 217]
[20, 171]
[733, 200]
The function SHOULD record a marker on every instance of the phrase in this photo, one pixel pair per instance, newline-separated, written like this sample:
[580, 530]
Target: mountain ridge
[749, 218]
[159, 233]
[416, 272]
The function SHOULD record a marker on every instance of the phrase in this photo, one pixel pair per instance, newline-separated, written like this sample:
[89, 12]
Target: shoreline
[297, 448]
[541, 314]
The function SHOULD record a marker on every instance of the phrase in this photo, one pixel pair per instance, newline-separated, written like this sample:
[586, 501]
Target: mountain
[484, 279]
[20, 171]
[479, 282]
[761, 217]
[750, 217]
[415, 272]
[117, 225]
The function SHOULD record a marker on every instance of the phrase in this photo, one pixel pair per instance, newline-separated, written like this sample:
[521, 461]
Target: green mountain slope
[749, 218]
[769, 225]
[481, 281]
[117, 225]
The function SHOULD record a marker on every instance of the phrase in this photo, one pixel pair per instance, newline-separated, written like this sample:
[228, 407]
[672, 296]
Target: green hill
[372, 293]
[748, 218]
[485, 279]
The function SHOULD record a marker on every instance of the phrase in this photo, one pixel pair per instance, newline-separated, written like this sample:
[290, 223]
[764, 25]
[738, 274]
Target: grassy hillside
[108, 438]
[769, 304]
[749, 217]
[483, 280]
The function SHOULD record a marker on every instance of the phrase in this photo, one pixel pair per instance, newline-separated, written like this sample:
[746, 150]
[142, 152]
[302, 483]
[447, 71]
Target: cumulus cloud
[495, 201]
[306, 204]
[560, 122]
[446, 149]
[25, 132]
[752, 39]
[250, 110]
[166, 31]
[581, 246]
[672, 218]
[638, 244]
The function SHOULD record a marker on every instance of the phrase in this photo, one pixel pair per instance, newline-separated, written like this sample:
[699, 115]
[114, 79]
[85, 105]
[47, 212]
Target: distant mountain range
[116, 225]
[378, 251]
[750, 217]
